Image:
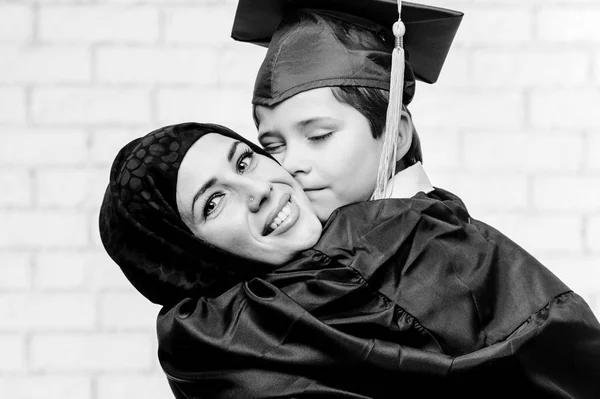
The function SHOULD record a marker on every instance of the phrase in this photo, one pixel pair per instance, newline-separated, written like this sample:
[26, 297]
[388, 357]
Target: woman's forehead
[207, 154]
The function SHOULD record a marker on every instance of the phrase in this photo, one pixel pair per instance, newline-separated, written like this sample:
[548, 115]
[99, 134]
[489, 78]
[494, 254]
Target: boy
[321, 107]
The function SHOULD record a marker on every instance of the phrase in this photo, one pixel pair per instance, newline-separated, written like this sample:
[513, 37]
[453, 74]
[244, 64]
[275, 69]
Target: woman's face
[325, 144]
[244, 203]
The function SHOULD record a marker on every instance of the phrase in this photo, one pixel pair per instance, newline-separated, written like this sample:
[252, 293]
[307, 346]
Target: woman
[397, 295]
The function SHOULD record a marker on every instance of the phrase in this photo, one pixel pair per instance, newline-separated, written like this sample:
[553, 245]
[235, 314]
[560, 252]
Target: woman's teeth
[281, 216]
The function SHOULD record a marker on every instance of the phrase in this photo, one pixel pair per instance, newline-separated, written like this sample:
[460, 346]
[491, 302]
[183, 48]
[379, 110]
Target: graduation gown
[400, 297]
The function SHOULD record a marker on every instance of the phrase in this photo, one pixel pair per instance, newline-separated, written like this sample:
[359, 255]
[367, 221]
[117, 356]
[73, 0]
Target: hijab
[141, 228]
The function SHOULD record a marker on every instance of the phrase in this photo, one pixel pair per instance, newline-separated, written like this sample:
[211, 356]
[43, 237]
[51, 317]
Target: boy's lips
[313, 189]
[314, 192]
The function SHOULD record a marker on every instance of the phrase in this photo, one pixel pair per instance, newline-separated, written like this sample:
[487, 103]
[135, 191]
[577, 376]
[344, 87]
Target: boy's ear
[405, 135]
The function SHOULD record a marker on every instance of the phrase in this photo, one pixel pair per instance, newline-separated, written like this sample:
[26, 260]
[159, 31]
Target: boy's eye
[274, 148]
[211, 204]
[244, 161]
[320, 137]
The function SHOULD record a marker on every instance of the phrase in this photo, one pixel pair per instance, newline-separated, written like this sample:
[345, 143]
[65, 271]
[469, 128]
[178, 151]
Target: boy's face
[325, 144]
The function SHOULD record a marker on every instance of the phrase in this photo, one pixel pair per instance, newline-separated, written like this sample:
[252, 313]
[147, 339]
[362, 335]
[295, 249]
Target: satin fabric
[399, 297]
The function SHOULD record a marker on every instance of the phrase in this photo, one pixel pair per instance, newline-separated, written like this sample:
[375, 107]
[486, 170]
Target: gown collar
[409, 182]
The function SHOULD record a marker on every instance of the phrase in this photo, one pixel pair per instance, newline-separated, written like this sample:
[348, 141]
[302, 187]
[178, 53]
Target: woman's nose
[257, 192]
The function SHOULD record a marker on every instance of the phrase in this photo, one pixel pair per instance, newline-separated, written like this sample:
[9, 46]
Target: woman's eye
[320, 137]
[244, 161]
[212, 203]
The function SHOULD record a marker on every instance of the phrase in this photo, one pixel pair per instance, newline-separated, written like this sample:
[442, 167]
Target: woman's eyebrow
[202, 190]
[211, 182]
[232, 150]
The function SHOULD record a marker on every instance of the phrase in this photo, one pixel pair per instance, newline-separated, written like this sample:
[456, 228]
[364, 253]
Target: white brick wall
[511, 126]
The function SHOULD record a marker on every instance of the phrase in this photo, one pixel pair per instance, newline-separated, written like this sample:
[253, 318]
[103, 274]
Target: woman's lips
[279, 219]
[294, 214]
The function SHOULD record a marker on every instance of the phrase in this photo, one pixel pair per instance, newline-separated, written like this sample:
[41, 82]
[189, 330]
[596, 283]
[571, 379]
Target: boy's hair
[372, 104]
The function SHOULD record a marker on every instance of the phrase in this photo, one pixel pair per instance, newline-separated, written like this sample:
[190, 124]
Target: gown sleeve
[256, 342]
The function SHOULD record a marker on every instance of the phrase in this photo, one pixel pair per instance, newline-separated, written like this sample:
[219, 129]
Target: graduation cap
[381, 44]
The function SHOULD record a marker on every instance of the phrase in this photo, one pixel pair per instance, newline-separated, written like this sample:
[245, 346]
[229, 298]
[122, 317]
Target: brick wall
[512, 126]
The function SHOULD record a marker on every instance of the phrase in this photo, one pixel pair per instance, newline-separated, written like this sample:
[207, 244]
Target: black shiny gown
[400, 297]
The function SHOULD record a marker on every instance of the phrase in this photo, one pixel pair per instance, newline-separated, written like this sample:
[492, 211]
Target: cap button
[399, 29]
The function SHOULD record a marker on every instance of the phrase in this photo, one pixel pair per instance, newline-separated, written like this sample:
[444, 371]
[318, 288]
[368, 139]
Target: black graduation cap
[328, 53]
[382, 44]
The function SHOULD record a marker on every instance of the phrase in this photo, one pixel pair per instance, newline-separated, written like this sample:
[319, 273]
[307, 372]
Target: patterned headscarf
[141, 228]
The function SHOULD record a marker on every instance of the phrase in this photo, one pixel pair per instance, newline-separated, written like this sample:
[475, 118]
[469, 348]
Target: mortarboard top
[429, 35]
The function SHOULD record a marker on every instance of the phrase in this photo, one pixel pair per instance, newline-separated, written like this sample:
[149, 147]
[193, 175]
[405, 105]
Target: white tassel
[387, 162]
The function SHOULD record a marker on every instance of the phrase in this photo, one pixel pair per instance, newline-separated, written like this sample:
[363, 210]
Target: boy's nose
[295, 162]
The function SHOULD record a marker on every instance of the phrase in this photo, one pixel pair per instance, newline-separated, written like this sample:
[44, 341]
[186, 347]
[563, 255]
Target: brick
[467, 108]
[68, 188]
[457, 69]
[592, 150]
[238, 65]
[569, 24]
[59, 270]
[16, 188]
[16, 23]
[56, 229]
[15, 269]
[105, 273]
[45, 65]
[182, 25]
[106, 143]
[128, 65]
[539, 233]
[89, 270]
[594, 302]
[92, 352]
[571, 194]
[565, 108]
[524, 152]
[441, 149]
[593, 236]
[597, 70]
[91, 106]
[580, 273]
[73, 2]
[530, 69]
[495, 25]
[98, 23]
[12, 347]
[169, 2]
[48, 386]
[154, 386]
[127, 311]
[69, 147]
[482, 192]
[12, 105]
[37, 311]
[228, 107]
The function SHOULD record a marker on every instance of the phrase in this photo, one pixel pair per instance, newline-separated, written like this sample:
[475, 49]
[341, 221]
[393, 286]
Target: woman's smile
[282, 218]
